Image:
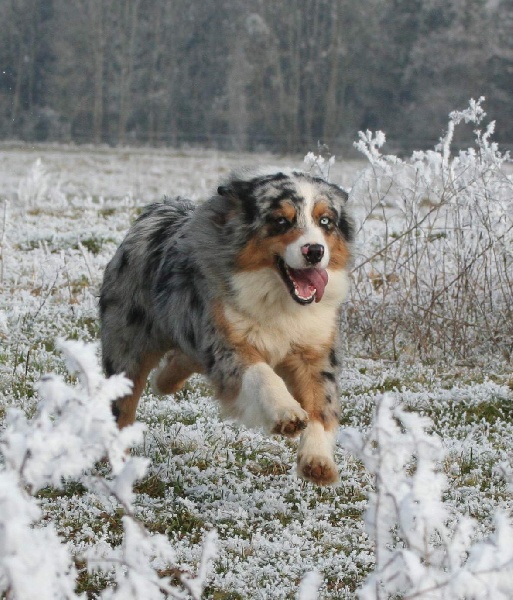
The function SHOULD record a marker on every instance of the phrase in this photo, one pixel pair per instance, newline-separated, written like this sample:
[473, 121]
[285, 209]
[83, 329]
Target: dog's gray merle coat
[173, 287]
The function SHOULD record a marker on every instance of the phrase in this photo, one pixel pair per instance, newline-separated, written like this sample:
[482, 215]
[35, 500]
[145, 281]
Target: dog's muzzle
[304, 285]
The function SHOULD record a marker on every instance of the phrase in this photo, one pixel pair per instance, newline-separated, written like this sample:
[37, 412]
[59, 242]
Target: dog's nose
[313, 253]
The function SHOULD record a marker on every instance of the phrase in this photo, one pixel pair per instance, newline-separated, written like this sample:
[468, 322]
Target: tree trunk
[128, 36]
[237, 81]
[331, 104]
[99, 60]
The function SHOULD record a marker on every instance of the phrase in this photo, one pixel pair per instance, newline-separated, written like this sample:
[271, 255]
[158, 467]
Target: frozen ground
[60, 222]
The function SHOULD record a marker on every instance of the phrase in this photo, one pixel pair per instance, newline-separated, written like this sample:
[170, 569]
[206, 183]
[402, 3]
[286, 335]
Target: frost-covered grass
[204, 474]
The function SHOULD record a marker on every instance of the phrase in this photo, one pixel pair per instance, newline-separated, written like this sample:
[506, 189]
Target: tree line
[261, 74]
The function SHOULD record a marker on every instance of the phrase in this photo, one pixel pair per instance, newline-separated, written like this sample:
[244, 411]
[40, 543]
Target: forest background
[255, 75]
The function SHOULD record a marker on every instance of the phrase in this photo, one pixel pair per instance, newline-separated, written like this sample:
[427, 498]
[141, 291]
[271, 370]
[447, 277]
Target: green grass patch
[153, 486]
[94, 244]
[68, 490]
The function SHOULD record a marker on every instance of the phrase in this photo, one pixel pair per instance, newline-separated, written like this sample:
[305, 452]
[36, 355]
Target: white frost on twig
[72, 430]
[423, 550]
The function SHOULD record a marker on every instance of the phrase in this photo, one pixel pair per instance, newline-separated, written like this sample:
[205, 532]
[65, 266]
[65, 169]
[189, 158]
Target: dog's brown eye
[282, 222]
[279, 225]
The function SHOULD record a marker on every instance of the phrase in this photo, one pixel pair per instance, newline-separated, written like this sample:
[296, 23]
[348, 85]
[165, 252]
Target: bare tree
[97, 19]
[237, 82]
[128, 24]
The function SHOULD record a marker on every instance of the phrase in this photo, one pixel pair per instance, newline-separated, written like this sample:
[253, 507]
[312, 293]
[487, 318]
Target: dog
[245, 288]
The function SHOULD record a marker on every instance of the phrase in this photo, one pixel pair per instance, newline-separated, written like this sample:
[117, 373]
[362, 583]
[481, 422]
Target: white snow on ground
[204, 473]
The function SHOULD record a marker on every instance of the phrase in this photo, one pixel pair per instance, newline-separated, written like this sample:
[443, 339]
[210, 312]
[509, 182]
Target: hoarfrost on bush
[72, 430]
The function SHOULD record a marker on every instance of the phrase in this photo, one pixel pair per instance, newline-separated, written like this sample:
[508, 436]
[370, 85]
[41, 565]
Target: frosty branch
[72, 430]
[423, 550]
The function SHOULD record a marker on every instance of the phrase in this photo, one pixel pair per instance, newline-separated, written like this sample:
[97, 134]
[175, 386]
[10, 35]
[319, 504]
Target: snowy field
[63, 211]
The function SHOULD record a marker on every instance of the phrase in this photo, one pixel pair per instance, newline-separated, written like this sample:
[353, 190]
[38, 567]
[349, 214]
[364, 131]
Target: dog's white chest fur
[264, 313]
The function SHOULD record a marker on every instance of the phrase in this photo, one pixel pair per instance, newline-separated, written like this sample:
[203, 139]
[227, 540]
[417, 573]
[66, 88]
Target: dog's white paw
[290, 421]
[264, 401]
[321, 470]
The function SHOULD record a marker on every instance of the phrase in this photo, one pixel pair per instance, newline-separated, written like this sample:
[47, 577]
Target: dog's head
[295, 224]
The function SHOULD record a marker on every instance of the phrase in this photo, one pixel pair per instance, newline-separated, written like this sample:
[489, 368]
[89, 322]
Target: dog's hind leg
[173, 372]
[124, 409]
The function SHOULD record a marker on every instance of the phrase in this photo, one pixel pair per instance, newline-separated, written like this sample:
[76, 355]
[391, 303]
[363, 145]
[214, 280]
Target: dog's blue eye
[324, 221]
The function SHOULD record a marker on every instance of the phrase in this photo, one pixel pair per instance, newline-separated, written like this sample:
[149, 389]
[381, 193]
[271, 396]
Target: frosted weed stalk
[423, 549]
[39, 187]
[320, 164]
[72, 430]
[434, 267]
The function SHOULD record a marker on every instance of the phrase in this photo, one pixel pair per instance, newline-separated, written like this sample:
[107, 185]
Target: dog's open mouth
[304, 285]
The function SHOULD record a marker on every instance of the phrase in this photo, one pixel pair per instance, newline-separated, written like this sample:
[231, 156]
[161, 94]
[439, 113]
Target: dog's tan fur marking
[321, 209]
[262, 400]
[339, 252]
[174, 372]
[127, 405]
[260, 252]
[301, 371]
[286, 210]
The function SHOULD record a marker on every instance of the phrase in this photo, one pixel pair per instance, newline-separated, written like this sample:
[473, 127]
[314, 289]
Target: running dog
[245, 288]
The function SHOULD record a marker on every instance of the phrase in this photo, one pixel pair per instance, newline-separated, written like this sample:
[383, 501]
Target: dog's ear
[236, 190]
[239, 195]
[342, 192]
[339, 192]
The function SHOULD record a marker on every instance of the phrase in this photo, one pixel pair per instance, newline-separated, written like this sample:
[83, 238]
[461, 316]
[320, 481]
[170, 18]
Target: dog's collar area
[304, 285]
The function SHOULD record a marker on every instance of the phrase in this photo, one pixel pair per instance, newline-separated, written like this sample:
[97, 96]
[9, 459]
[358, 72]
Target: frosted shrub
[33, 561]
[38, 187]
[135, 560]
[318, 164]
[423, 550]
[72, 430]
[434, 262]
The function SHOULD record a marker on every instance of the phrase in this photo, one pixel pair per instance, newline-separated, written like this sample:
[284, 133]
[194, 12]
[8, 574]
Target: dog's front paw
[318, 469]
[291, 422]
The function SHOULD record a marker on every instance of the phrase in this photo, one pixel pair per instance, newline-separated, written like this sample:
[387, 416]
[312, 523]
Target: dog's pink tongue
[307, 280]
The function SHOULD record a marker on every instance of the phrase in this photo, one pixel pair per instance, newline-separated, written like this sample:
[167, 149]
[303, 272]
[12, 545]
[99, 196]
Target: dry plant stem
[2, 242]
[440, 283]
